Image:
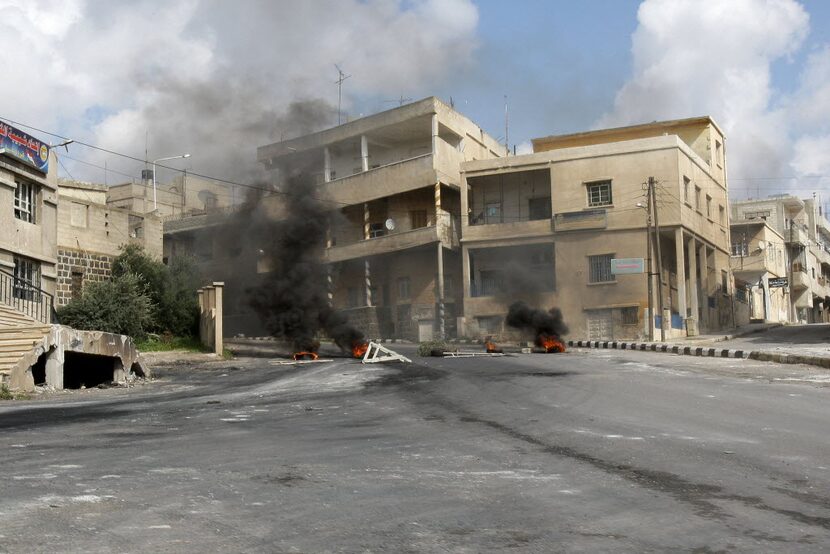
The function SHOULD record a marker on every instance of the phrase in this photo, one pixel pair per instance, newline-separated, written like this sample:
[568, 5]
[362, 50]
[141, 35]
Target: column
[364, 153]
[218, 343]
[326, 164]
[367, 274]
[692, 323]
[680, 262]
[440, 292]
[366, 226]
[704, 285]
[434, 133]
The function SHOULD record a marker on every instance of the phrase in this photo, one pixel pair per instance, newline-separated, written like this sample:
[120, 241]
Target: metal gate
[600, 325]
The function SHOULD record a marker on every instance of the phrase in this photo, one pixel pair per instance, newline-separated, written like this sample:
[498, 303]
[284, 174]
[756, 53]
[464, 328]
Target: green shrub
[172, 289]
[120, 306]
[425, 348]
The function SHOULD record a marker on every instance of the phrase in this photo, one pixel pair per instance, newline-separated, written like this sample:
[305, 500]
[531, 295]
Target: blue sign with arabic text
[24, 147]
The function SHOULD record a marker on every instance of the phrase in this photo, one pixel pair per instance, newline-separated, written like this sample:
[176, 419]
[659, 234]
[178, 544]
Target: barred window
[599, 269]
[404, 288]
[740, 249]
[599, 194]
[24, 201]
[26, 278]
[630, 315]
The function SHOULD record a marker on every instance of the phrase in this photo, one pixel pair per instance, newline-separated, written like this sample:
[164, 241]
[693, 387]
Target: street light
[155, 203]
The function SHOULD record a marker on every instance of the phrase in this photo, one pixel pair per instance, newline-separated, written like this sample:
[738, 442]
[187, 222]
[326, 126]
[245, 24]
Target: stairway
[20, 337]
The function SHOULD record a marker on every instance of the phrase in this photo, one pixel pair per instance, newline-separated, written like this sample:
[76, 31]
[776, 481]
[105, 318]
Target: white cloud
[714, 58]
[211, 77]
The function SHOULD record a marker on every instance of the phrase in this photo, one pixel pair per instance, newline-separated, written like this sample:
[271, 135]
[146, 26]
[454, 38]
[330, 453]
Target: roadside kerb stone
[698, 351]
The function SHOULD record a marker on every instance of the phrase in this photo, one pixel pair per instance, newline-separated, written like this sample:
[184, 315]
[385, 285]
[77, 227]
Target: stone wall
[91, 266]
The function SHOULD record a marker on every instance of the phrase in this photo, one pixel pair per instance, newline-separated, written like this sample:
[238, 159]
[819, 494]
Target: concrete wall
[91, 234]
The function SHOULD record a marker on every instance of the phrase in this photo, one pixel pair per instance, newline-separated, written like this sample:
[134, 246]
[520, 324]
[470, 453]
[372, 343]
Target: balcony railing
[24, 297]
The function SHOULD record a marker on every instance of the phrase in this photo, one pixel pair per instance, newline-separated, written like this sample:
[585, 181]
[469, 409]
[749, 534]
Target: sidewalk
[793, 344]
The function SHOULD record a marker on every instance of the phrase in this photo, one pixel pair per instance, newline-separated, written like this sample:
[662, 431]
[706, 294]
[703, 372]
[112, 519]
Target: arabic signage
[777, 282]
[625, 266]
[24, 147]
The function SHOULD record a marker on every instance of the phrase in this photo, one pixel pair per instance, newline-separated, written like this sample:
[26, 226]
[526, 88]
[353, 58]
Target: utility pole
[649, 278]
[341, 77]
[655, 211]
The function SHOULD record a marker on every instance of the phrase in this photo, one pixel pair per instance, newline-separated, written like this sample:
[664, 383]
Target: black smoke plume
[539, 322]
[292, 298]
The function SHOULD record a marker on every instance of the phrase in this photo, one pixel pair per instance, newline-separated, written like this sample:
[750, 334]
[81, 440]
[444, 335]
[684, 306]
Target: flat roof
[705, 120]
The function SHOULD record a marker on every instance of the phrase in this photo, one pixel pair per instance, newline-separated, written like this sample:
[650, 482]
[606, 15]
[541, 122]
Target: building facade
[91, 234]
[545, 227]
[28, 218]
[758, 262]
[183, 196]
[806, 235]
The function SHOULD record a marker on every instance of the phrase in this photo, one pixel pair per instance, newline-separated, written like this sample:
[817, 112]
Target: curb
[706, 352]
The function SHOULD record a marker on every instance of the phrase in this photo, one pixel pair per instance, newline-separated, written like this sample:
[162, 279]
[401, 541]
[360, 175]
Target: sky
[216, 79]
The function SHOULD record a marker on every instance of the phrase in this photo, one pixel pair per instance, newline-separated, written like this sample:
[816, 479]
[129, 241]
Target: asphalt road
[591, 451]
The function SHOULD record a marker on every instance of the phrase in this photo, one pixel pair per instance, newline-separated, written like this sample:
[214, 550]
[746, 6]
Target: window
[708, 206]
[79, 215]
[686, 184]
[492, 213]
[724, 281]
[721, 215]
[599, 269]
[25, 197]
[599, 194]
[763, 214]
[76, 283]
[26, 278]
[630, 315]
[490, 324]
[449, 286]
[404, 288]
[718, 153]
[697, 198]
[376, 230]
[538, 208]
[418, 218]
[352, 297]
[740, 249]
[492, 282]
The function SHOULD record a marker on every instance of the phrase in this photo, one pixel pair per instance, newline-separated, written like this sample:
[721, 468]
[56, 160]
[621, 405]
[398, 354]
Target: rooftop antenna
[401, 101]
[341, 77]
[506, 125]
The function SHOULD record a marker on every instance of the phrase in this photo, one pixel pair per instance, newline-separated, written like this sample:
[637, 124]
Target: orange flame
[305, 355]
[551, 344]
[359, 348]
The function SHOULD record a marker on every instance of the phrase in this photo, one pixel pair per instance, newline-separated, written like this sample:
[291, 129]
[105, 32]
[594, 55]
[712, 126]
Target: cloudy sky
[216, 79]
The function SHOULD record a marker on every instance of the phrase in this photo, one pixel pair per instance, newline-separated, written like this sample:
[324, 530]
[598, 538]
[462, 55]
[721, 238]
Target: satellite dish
[390, 224]
[762, 245]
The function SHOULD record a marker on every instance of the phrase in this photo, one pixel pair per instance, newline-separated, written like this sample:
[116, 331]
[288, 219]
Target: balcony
[395, 178]
[446, 232]
[753, 266]
[797, 233]
[512, 230]
[801, 280]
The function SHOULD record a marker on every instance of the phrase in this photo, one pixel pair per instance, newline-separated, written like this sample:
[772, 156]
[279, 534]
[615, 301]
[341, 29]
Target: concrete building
[394, 177]
[759, 254]
[28, 220]
[806, 234]
[185, 195]
[91, 234]
[545, 227]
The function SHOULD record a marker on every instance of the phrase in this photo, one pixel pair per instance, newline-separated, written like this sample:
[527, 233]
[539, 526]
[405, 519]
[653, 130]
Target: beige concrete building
[806, 234]
[184, 195]
[545, 227]
[91, 234]
[28, 222]
[759, 254]
[394, 177]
